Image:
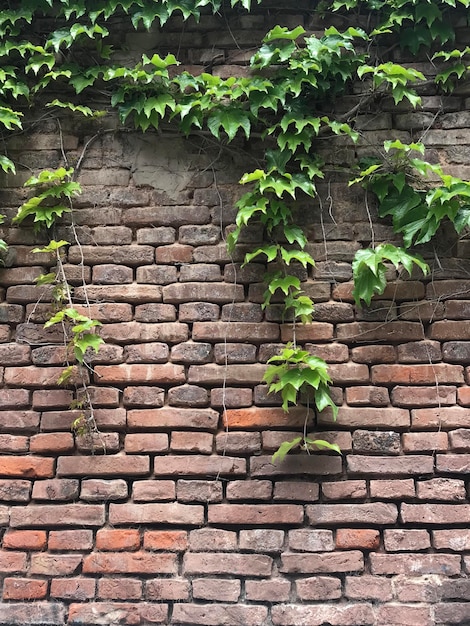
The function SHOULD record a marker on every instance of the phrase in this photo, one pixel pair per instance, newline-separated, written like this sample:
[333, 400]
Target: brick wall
[185, 520]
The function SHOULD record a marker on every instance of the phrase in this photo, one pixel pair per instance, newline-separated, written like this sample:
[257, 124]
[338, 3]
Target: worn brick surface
[187, 519]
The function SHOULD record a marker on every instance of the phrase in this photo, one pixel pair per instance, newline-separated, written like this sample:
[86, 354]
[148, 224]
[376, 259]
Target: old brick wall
[185, 520]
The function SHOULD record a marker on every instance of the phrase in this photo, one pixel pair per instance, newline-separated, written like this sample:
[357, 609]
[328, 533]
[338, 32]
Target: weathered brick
[344, 490]
[14, 399]
[167, 589]
[169, 540]
[440, 395]
[456, 352]
[129, 332]
[201, 443]
[56, 489]
[24, 589]
[78, 588]
[364, 332]
[212, 539]
[368, 417]
[46, 515]
[296, 490]
[438, 514]
[108, 539]
[449, 489]
[153, 490]
[261, 540]
[445, 417]
[70, 540]
[272, 590]
[234, 353]
[129, 563]
[253, 565]
[217, 293]
[374, 465]
[319, 588]
[103, 466]
[191, 353]
[309, 540]
[119, 588]
[414, 564]
[160, 374]
[15, 490]
[31, 376]
[368, 587]
[373, 513]
[182, 465]
[374, 354]
[417, 374]
[199, 491]
[419, 352]
[95, 613]
[13, 444]
[451, 613]
[357, 538]
[459, 440]
[453, 463]
[296, 464]
[424, 442]
[100, 490]
[155, 312]
[97, 255]
[52, 443]
[198, 312]
[173, 513]
[170, 418]
[456, 540]
[108, 274]
[387, 442]
[406, 540]
[129, 294]
[35, 614]
[26, 467]
[210, 589]
[153, 352]
[367, 395]
[288, 614]
[25, 540]
[51, 399]
[350, 561]
[404, 614]
[448, 330]
[252, 514]
[231, 397]
[145, 442]
[143, 396]
[44, 564]
[220, 614]
[392, 489]
[188, 395]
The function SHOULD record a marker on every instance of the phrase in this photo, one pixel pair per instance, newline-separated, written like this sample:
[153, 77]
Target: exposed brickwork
[185, 520]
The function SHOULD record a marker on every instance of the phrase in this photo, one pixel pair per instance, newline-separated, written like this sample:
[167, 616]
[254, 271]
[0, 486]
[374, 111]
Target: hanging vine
[295, 78]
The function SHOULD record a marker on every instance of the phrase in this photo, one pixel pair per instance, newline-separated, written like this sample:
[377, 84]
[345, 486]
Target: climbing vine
[288, 99]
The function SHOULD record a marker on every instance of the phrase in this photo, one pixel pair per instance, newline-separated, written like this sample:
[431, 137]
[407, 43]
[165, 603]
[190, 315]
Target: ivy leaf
[284, 449]
[282, 32]
[7, 164]
[321, 443]
[230, 119]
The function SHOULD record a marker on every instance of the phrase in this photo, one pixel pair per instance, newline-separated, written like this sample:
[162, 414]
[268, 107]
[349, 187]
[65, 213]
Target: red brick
[15, 490]
[366, 396]
[249, 490]
[424, 442]
[52, 443]
[153, 490]
[161, 374]
[167, 589]
[365, 417]
[170, 418]
[422, 311]
[255, 417]
[153, 352]
[319, 588]
[221, 614]
[453, 463]
[351, 561]
[188, 395]
[375, 465]
[288, 614]
[253, 565]
[173, 513]
[51, 399]
[368, 587]
[26, 467]
[14, 399]
[25, 540]
[405, 615]
[357, 538]
[415, 564]
[392, 489]
[234, 353]
[198, 465]
[19, 613]
[441, 489]
[234, 331]
[175, 253]
[460, 439]
[217, 293]
[309, 464]
[213, 374]
[192, 353]
[211, 589]
[99, 490]
[146, 442]
[296, 490]
[463, 396]
[231, 397]
[374, 354]
[425, 351]
[24, 589]
[371, 441]
[31, 376]
[344, 490]
[198, 312]
[457, 310]
[129, 563]
[456, 352]
[69, 540]
[212, 539]
[114, 540]
[438, 514]
[456, 540]
[19, 421]
[94, 613]
[373, 513]
[156, 312]
[261, 540]
[107, 313]
[56, 489]
[103, 466]
[417, 374]
[315, 331]
[424, 396]
[169, 540]
[363, 332]
[273, 590]
[448, 330]
[406, 540]
[119, 588]
[255, 514]
[445, 417]
[97, 443]
[14, 444]
[128, 294]
[199, 491]
[136, 332]
[55, 564]
[309, 540]
[143, 396]
[451, 613]
[79, 589]
[47, 515]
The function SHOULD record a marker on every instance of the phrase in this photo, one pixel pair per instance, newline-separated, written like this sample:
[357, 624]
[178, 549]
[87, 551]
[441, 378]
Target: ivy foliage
[294, 80]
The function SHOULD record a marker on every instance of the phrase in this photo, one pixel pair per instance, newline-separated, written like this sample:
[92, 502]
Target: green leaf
[322, 444]
[52, 246]
[282, 32]
[230, 119]
[7, 164]
[284, 449]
